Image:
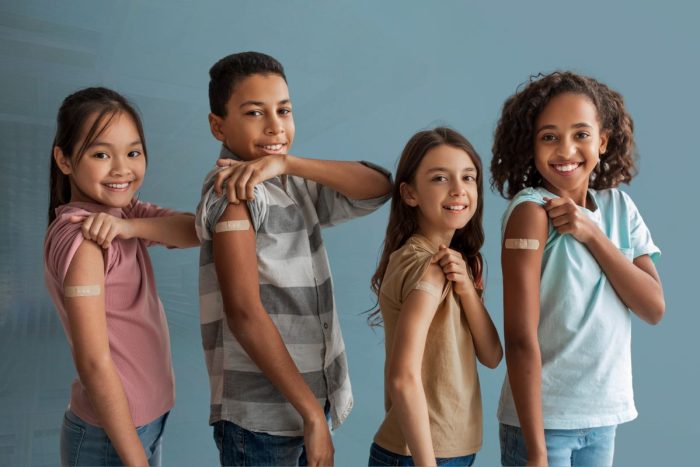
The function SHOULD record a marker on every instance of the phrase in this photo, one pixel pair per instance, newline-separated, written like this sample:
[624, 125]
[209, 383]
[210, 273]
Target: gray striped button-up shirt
[296, 290]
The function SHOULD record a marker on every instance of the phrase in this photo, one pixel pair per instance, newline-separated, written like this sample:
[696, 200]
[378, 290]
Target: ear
[63, 162]
[408, 194]
[604, 136]
[215, 123]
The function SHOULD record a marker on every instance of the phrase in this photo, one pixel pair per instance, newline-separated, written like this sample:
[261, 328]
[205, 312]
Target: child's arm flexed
[487, 345]
[636, 283]
[352, 179]
[176, 230]
[236, 265]
[521, 314]
[84, 301]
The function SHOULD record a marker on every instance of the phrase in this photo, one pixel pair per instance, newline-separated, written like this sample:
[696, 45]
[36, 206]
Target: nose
[274, 125]
[566, 148]
[458, 188]
[120, 166]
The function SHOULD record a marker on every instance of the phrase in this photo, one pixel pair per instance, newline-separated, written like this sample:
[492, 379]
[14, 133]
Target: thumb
[224, 162]
[75, 219]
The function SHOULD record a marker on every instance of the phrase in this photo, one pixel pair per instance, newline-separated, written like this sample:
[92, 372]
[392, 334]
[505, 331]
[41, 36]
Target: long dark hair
[403, 220]
[75, 111]
[513, 165]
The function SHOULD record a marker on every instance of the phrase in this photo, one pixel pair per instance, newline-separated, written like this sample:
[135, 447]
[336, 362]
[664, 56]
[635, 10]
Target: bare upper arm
[521, 270]
[645, 263]
[86, 314]
[236, 262]
[414, 320]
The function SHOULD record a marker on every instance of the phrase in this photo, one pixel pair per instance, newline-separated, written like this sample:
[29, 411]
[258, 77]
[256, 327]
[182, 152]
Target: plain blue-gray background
[364, 76]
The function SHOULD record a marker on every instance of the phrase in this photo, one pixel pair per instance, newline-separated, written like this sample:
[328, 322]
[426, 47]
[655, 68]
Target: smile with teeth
[118, 186]
[272, 147]
[455, 207]
[564, 168]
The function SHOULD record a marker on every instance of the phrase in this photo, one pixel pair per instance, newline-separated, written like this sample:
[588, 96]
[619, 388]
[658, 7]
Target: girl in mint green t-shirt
[577, 258]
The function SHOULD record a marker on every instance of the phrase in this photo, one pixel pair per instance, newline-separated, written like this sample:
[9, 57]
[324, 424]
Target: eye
[134, 154]
[548, 137]
[583, 135]
[439, 178]
[285, 111]
[100, 155]
[469, 178]
[254, 113]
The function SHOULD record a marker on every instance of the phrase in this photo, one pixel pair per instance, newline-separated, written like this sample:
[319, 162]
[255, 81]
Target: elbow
[656, 312]
[93, 366]
[521, 346]
[402, 384]
[493, 359]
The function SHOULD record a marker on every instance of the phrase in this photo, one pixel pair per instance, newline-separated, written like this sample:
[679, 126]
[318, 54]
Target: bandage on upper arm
[429, 288]
[72, 291]
[232, 226]
[522, 243]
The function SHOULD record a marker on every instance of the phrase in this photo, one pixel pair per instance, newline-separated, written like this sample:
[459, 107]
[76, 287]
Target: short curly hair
[513, 165]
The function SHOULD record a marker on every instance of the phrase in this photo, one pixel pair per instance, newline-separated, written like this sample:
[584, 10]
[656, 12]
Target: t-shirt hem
[577, 423]
[403, 451]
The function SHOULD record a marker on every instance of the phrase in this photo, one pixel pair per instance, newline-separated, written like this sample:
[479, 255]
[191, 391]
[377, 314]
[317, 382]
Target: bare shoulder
[528, 220]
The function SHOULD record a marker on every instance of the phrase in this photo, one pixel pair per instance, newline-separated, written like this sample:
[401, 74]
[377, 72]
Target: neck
[436, 236]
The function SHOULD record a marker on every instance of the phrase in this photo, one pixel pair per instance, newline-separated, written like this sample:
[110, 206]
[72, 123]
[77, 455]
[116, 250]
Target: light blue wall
[364, 76]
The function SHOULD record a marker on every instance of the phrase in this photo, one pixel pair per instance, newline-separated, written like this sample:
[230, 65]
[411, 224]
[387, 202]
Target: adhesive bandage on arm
[232, 226]
[431, 289]
[522, 244]
[71, 291]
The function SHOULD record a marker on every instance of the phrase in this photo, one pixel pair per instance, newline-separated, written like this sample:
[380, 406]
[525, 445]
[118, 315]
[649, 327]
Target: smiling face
[444, 191]
[258, 119]
[568, 144]
[111, 169]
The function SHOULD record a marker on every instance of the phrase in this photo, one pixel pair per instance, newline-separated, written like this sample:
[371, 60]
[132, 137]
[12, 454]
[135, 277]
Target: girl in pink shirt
[100, 278]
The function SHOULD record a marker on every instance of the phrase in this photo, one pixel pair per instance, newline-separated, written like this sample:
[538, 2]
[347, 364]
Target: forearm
[487, 344]
[176, 230]
[106, 393]
[639, 290]
[261, 340]
[525, 376]
[352, 179]
[408, 399]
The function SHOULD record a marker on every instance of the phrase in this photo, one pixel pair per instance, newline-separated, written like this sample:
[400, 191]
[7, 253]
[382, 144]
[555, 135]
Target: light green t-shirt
[584, 328]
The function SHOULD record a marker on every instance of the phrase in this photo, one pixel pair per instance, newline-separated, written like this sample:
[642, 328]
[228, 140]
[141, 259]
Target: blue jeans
[378, 456]
[588, 446]
[238, 446]
[85, 444]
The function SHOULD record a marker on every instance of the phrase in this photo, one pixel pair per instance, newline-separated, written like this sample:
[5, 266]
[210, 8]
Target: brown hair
[403, 221]
[513, 166]
[73, 114]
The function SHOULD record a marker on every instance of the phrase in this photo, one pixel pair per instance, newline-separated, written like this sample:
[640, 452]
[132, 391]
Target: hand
[567, 218]
[455, 269]
[317, 441]
[102, 228]
[241, 177]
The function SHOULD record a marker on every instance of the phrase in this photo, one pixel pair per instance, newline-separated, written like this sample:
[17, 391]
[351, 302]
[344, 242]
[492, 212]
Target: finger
[241, 184]
[109, 237]
[225, 162]
[75, 219]
[85, 228]
[231, 188]
[437, 257]
[250, 188]
[96, 226]
[560, 221]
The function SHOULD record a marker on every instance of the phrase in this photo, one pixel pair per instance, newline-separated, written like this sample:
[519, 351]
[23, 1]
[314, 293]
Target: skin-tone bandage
[231, 226]
[522, 244]
[71, 291]
[429, 288]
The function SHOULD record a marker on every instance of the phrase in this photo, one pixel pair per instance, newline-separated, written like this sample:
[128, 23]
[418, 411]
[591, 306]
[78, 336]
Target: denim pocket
[72, 436]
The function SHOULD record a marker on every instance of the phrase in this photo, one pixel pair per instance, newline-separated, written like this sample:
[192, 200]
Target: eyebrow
[575, 125]
[105, 143]
[445, 169]
[262, 104]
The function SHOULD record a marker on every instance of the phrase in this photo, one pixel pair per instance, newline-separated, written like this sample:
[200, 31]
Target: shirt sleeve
[140, 209]
[414, 265]
[211, 207]
[640, 237]
[332, 208]
[527, 195]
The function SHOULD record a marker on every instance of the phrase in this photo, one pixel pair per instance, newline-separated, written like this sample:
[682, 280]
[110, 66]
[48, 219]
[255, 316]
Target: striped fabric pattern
[296, 290]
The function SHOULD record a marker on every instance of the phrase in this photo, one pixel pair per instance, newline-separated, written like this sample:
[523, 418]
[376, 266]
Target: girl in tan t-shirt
[430, 302]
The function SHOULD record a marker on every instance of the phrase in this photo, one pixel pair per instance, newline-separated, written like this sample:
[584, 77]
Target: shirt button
[325, 325]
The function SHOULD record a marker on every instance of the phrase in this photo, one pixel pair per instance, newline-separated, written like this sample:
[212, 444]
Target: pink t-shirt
[137, 330]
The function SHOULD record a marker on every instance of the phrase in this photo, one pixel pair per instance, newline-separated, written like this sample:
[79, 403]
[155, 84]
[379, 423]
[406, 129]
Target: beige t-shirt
[449, 374]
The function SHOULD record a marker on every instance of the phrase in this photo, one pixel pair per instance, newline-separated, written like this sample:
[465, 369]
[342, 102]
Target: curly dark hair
[513, 165]
[403, 221]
